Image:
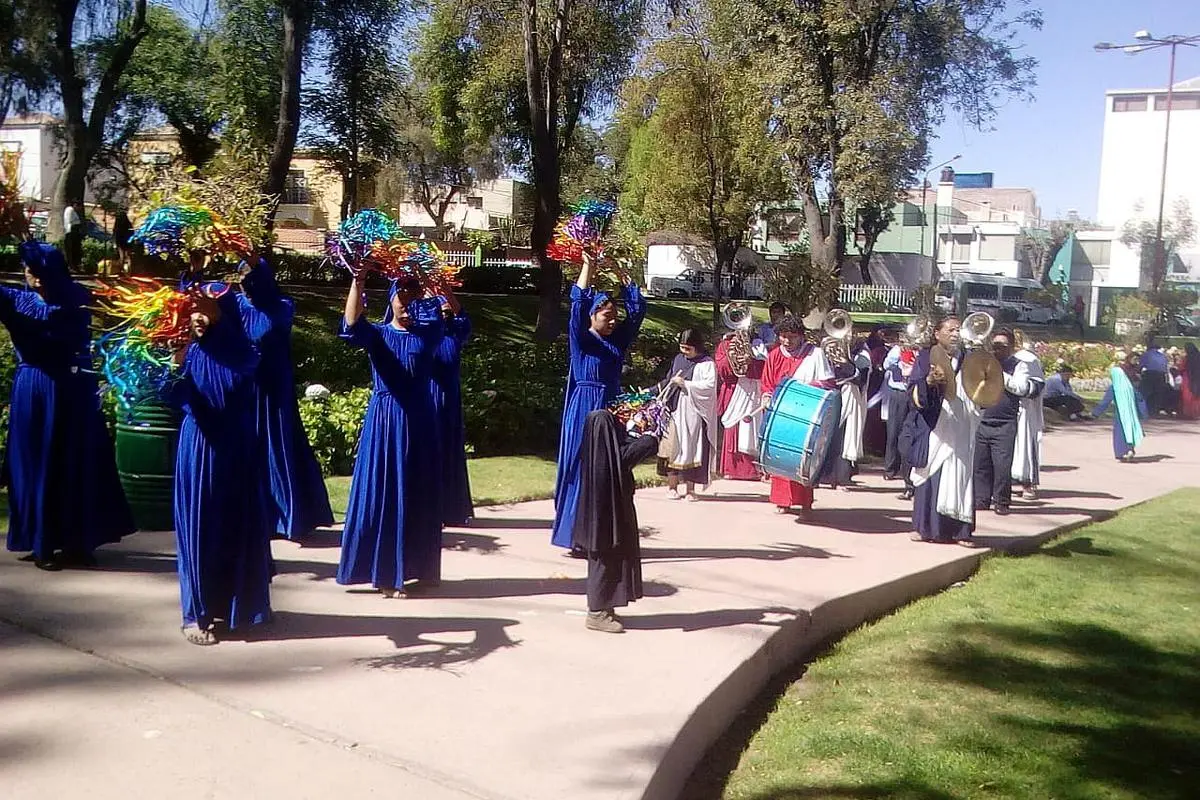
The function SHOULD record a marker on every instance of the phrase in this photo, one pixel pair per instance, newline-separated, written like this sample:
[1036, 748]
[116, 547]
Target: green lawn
[497, 481]
[1070, 673]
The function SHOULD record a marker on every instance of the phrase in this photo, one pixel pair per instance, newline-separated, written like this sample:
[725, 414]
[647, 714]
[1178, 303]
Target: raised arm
[354, 301]
[584, 281]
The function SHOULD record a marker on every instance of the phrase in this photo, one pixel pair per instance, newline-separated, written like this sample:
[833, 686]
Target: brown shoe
[604, 621]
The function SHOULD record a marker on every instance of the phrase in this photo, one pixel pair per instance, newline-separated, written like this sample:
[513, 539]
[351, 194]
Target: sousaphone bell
[982, 375]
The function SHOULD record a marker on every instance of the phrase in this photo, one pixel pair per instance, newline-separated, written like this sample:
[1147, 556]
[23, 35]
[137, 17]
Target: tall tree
[1141, 233]
[94, 67]
[857, 89]
[296, 24]
[442, 156]
[170, 76]
[353, 133]
[873, 219]
[700, 160]
[249, 53]
[25, 43]
[545, 67]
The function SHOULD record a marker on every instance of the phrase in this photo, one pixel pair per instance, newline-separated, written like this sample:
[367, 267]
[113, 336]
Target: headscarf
[48, 265]
[1192, 354]
[1125, 399]
[601, 299]
[394, 288]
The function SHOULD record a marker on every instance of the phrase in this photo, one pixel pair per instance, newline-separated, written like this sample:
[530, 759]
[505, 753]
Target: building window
[1095, 253]
[475, 201]
[295, 189]
[1130, 102]
[960, 248]
[1181, 101]
[994, 247]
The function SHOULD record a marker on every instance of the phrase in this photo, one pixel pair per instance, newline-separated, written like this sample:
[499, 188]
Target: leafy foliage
[1141, 233]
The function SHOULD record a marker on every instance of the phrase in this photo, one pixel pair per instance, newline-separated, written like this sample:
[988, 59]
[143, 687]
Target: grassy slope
[497, 481]
[1071, 673]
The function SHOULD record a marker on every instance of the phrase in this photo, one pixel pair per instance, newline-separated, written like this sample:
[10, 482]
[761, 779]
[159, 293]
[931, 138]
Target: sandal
[204, 637]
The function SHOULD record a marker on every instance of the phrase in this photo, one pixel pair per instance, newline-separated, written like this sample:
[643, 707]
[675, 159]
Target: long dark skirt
[614, 579]
[932, 526]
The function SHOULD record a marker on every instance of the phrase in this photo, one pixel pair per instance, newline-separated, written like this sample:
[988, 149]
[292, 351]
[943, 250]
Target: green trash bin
[147, 440]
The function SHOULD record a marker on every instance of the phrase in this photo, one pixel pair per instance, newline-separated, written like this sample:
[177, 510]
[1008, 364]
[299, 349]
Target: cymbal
[983, 378]
[938, 357]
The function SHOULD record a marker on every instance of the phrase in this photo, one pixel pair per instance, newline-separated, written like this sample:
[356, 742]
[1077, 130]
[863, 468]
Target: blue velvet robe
[594, 381]
[60, 468]
[393, 530]
[446, 387]
[297, 488]
[223, 517]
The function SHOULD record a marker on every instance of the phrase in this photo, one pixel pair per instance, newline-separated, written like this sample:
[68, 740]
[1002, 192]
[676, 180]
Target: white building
[482, 208]
[1131, 167]
[980, 235]
[35, 141]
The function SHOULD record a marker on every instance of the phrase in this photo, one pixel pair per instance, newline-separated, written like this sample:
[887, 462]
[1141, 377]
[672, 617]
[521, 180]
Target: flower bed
[1088, 359]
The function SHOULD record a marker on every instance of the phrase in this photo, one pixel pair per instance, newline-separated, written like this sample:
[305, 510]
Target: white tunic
[1031, 422]
[744, 404]
[952, 454]
[695, 419]
[854, 413]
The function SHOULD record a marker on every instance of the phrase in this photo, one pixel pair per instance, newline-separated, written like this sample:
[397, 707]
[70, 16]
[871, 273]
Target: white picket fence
[894, 296]
[507, 263]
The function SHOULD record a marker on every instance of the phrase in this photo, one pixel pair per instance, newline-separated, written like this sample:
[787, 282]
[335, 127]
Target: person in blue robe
[297, 489]
[223, 518]
[446, 387]
[393, 530]
[65, 498]
[598, 343]
[1129, 409]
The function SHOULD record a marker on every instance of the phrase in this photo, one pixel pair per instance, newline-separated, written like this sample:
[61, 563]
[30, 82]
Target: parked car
[698, 285]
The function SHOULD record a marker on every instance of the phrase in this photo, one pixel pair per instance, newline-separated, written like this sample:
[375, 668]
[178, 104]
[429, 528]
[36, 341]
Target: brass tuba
[918, 332]
[839, 327]
[739, 319]
[982, 375]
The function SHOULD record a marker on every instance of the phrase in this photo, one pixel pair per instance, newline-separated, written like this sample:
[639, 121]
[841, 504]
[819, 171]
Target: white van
[1006, 299]
[698, 285]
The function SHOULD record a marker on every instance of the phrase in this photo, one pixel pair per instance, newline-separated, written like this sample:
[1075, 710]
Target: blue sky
[1052, 145]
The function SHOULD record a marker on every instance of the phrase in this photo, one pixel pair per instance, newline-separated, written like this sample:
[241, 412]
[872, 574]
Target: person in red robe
[735, 465]
[782, 363]
[1189, 387]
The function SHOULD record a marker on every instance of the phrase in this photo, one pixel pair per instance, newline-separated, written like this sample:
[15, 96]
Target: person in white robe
[693, 445]
[942, 450]
[1031, 423]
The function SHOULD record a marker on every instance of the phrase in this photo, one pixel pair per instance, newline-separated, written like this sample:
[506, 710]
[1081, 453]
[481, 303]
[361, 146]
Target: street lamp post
[1143, 42]
[924, 213]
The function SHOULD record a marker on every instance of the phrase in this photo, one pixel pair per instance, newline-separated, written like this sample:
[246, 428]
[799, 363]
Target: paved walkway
[492, 688]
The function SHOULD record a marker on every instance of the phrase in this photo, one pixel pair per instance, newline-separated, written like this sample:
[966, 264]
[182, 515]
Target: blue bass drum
[797, 430]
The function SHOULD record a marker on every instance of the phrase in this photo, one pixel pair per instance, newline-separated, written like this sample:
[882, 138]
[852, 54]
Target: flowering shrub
[1088, 359]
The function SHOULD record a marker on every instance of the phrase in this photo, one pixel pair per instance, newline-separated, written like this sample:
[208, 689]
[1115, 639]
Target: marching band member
[942, 451]
[693, 444]
[793, 358]
[1031, 421]
[996, 438]
[739, 397]
[598, 343]
[847, 446]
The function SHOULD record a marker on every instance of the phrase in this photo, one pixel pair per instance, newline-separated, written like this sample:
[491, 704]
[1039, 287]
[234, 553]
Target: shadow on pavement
[717, 618]
[487, 588]
[860, 520]
[780, 551]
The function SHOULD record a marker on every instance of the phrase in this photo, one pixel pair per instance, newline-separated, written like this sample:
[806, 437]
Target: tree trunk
[83, 133]
[864, 261]
[296, 23]
[726, 250]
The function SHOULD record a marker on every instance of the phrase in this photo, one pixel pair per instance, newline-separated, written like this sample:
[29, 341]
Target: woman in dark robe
[875, 429]
[223, 518]
[446, 386]
[65, 498]
[606, 526]
[297, 490]
[393, 530]
[598, 343]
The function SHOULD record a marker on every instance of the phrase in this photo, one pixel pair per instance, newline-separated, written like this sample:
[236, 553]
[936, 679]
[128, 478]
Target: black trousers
[897, 407]
[994, 447]
[1064, 403]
